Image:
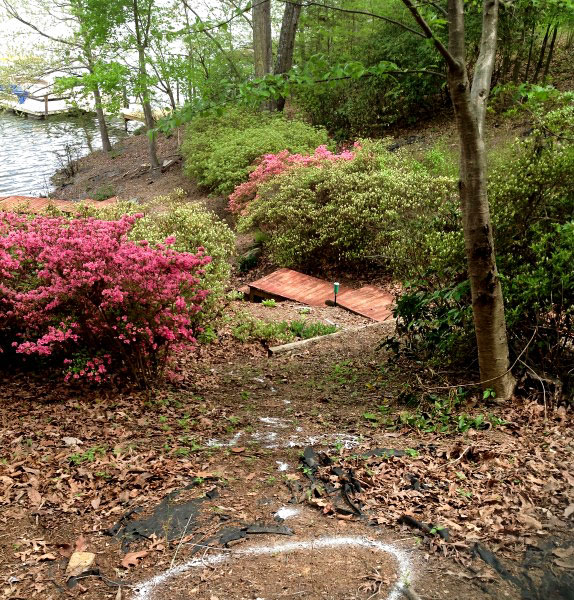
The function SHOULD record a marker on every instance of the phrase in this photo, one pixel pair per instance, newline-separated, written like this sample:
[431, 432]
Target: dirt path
[75, 461]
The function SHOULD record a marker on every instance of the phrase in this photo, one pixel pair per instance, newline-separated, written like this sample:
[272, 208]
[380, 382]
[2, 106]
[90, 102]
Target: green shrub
[531, 192]
[379, 207]
[219, 150]
[251, 329]
[191, 224]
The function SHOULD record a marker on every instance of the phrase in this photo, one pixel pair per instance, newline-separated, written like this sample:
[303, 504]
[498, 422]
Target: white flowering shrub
[380, 207]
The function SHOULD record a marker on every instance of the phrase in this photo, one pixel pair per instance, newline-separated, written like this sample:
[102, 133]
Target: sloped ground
[75, 461]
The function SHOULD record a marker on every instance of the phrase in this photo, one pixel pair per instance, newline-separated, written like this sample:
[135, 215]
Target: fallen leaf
[81, 544]
[35, 496]
[79, 562]
[72, 441]
[567, 563]
[250, 477]
[48, 556]
[563, 552]
[237, 450]
[131, 558]
[530, 522]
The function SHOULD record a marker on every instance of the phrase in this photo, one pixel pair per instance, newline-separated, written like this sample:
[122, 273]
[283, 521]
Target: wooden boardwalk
[38, 205]
[285, 284]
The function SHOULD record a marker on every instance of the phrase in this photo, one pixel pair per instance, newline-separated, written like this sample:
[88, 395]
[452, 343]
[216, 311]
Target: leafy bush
[219, 150]
[79, 292]
[271, 165]
[531, 191]
[380, 207]
[191, 225]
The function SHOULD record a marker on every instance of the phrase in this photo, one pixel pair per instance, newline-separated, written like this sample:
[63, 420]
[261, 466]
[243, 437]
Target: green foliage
[192, 225]
[379, 208]
[271, 303]
[219, 149]
[531, 192]
[251, 329]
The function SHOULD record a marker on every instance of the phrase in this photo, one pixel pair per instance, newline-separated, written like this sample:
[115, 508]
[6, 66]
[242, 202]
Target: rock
[79, 563]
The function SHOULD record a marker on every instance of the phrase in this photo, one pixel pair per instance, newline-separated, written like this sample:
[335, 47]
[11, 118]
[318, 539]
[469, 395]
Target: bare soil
[74, 460]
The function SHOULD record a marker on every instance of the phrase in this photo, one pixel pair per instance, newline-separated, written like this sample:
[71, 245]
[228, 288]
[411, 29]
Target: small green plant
[269, 302]
[103, 193]
[343, 373]
[87, 456]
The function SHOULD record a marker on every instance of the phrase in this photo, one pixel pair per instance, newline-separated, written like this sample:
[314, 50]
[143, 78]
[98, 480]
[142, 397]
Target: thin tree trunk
[542, 53]
[550, 54]
[530, 49]
[262, 56]
[141, 41]
[470, 109]
[519, 52]
[101, 118]
[284, 60]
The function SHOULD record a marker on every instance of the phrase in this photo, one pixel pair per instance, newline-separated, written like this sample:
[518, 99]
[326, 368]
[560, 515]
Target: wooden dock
[286, 284]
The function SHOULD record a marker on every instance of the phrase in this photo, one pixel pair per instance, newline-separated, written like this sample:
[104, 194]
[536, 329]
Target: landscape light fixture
[336, 291]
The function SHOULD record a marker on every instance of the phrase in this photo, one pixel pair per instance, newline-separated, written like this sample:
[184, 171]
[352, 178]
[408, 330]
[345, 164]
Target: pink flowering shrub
[270, 165]
[79, 292]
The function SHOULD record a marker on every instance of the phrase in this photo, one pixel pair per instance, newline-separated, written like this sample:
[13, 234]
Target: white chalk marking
[145, 589]
[282, 466]
[232, 442]
[273, 421]
[285, 512]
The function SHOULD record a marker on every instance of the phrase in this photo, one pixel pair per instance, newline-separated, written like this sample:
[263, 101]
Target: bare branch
[359, 12]
[215, 41]
[12, 12]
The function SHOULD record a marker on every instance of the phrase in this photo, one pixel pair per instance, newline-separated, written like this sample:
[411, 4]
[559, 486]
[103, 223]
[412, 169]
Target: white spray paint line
[286, 512]
[274, 421]
[232, 442]
[145, 589]
[281, 466]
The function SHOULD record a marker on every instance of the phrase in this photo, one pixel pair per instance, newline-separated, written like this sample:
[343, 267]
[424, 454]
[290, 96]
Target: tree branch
[215, 40]
[485, 64]
[359, 12]
[429, 34]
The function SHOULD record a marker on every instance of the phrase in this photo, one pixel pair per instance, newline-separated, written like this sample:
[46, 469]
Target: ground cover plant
[80, 293]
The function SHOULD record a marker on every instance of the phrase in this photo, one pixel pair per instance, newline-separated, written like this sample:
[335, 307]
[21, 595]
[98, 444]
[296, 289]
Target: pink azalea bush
[271, 165]
[79, 292]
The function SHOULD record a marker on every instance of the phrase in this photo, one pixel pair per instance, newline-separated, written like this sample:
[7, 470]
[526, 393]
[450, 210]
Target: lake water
[32, 150]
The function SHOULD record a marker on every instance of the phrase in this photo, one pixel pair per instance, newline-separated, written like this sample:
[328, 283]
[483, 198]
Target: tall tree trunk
[470, 109]
[101, 118]
[542, 53]
[550, 54]
[262, 56]
[284, 59]
[520, 52]
[148, 114]
[530, 49]
[141, 42]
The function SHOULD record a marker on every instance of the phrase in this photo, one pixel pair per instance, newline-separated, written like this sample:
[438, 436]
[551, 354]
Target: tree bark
[284, 59]
[262, 56]
[541, 56]
[141, 42]
[530, 49]
[470, 109]
[102, 125]
[550, 54]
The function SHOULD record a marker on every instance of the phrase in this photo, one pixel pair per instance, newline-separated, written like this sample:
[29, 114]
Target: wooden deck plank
[285, 284]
